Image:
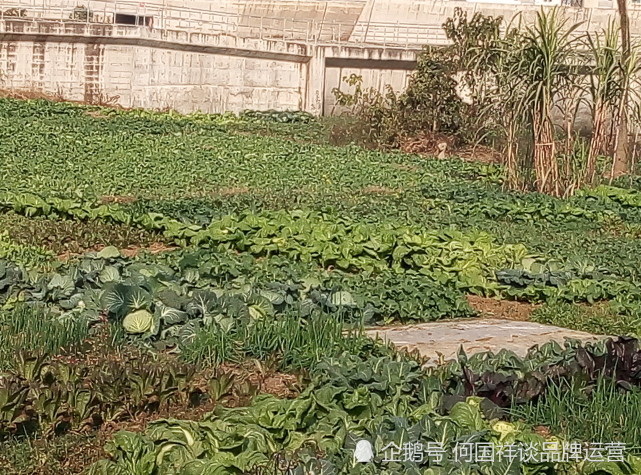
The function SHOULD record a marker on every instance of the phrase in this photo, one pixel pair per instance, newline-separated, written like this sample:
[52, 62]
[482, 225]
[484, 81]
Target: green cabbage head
[140, 321]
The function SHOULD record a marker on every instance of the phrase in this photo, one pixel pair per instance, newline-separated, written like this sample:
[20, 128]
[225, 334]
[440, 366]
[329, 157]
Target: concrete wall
[185, 81]
[138, 67]
[151, 77]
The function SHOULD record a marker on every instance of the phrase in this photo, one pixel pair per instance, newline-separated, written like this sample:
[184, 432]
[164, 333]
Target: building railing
[193, 20]
[212, 22]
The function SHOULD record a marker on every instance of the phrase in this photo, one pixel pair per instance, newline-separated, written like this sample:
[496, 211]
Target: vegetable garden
[187, 294]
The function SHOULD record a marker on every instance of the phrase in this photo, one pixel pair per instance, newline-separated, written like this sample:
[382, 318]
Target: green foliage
[30, 256]
[507, 380]
[472, 261]
[603, 319]
[27, 329]
[432, 101]
[380, 399]
[166, 303]
[286, 250]
[278, 116]
[131, 154]
[567, 405]
[296, 342]
[51, 397]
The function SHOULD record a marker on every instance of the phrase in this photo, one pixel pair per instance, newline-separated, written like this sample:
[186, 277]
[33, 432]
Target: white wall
[150, 77]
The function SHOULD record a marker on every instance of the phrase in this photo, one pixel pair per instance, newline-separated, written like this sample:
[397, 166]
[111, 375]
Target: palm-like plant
[534, 66]
[605, 91]
[545, 69]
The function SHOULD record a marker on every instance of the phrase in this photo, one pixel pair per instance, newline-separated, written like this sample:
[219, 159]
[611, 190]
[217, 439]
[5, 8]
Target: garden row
[387, 400]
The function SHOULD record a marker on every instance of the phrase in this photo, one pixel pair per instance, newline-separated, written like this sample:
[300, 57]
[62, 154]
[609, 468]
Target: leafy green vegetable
[138, 322]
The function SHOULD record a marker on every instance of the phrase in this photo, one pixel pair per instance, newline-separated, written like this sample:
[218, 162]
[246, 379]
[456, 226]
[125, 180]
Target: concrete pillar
[314, 81]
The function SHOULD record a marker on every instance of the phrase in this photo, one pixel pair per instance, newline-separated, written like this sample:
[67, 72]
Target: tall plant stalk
[605, 92]
[547, 52]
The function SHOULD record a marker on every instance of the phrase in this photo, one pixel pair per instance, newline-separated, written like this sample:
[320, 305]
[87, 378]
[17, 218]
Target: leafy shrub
[432, 101]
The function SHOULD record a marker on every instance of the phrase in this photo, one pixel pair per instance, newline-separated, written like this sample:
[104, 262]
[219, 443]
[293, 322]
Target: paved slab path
[474, 335]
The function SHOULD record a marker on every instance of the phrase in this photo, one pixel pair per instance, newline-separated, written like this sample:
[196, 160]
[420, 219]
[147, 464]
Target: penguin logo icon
[363, 452]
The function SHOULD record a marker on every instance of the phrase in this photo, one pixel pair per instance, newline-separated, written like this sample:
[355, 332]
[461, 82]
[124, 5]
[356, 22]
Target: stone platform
[443, 339]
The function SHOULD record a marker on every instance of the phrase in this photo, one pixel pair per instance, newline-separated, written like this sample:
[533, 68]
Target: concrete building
[230, 55]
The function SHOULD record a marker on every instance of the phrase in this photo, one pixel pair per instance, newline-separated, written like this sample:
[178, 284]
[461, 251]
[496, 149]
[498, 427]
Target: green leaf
[467, 416]
[109, 252]
[109, 274]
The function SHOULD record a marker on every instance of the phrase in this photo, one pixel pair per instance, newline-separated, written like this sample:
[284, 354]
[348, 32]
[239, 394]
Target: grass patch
[601, 319]
[600, 413]
[292, 341]
[30, 330]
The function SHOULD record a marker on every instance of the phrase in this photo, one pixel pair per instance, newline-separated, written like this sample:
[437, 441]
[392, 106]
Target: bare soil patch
[479, 153]
[25, 95]
[282, 385]
[220, 192]
[119, 199]
[427, 143]
[153, 248]
[505, 309]
[430, 144]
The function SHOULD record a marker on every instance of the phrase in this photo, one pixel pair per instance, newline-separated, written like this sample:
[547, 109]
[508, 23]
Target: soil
[30, 95]
[120, 199]
[479, 153]
[543, 431]
[428, 144]
[282, 385]
[153, 248]
[220, 192]
[505, 309]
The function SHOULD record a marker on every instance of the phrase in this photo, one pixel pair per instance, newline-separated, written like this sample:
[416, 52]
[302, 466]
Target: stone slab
[442, 340]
